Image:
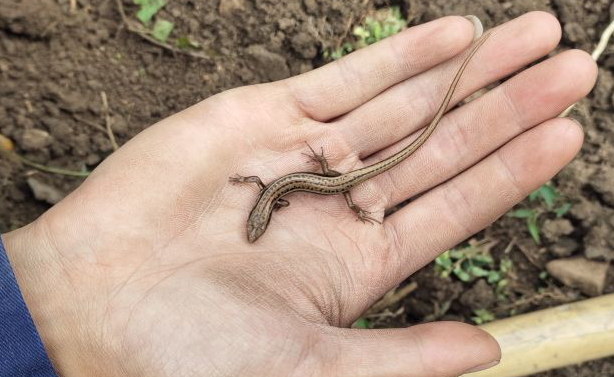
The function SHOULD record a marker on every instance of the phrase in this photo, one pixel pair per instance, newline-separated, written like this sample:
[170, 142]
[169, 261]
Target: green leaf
[376, 32]
[187, 42]
[562, 210]
[534, 195]
[483, 316]
[148, 9]
[482, 259]
[444, 261]
[501, 284]
[361, 323]
[478, 272]
[533, 228]
[543, 275]
[505, 265]
[493, 277]
[547, 193]
[461, 274]
[361, 32]
[161, 30]
[522, 213]
[457, 254]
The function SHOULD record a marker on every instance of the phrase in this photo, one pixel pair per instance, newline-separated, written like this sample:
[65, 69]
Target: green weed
[473, 262]
[147, 10]
[186, 43]
[482, 316]
[384, 23]
[161, 30]
[545, 200]
[361, 323]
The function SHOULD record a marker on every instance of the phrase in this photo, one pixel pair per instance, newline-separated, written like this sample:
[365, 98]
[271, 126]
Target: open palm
[145, 269]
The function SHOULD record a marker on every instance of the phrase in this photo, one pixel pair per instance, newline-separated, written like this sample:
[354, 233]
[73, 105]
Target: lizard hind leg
[320, 159]
[361, 213]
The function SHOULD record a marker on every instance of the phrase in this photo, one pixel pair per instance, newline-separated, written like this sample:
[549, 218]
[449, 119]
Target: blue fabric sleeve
[21, 350]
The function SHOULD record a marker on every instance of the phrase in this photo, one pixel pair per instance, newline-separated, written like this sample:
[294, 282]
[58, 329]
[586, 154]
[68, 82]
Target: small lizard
[331, 182]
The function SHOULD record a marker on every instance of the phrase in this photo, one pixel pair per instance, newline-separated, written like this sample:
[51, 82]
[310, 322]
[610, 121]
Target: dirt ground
[54, 64]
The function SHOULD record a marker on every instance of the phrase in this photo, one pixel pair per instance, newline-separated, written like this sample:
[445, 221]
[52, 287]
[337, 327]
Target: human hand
[145, 269]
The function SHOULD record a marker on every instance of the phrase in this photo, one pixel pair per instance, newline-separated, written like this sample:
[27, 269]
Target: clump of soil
[55, 65]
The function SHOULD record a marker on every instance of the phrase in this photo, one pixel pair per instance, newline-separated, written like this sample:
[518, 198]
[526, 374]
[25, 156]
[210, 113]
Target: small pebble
[587, 275]
[44, 192]
[34, 139]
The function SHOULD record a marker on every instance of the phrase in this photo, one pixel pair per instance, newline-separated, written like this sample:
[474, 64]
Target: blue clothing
[21, 350]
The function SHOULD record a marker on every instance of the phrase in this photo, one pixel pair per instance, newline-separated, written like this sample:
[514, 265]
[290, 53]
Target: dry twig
[392, 298]
[107, 120]
[90, 123]
[49, 169]
[7, 148]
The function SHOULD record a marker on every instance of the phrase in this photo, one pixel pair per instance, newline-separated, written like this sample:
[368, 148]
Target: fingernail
[483, 366]
[478, 29]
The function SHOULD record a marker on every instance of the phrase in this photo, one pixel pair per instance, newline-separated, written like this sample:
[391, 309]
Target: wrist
[42, 284]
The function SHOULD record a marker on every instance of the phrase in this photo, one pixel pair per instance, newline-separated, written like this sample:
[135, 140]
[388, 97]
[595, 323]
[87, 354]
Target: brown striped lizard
[331, 182]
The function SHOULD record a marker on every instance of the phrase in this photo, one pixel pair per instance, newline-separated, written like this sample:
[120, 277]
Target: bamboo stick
[553, 338]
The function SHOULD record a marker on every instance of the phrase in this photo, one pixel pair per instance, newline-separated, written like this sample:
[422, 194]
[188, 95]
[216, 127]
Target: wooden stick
[553, 338]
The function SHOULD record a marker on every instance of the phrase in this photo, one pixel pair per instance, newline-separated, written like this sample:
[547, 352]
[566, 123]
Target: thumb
[431, 350]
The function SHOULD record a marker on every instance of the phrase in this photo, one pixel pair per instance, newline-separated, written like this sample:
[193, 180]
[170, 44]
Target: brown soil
[54, 65]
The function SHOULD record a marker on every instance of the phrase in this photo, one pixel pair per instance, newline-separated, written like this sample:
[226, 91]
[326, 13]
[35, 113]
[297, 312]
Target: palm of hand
[152, 246]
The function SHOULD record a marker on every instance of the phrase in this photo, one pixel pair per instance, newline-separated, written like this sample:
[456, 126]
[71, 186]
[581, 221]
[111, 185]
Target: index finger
[345, 84]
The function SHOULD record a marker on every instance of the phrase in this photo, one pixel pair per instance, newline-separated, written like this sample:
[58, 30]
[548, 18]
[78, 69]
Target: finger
[434, 350]
[411, 104]
[469, 202]
[342, 85]
[476, 129]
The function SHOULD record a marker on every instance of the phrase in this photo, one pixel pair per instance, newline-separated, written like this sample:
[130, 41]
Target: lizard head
[256, 225]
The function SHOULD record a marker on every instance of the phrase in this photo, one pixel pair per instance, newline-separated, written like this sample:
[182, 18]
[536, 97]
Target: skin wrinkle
[457, 202]
[513, 180]
[305, 360]
[293, 272]
[417, 338]
[261, 97]
[458, 139]
[300, 114]
[144, 296]
[508, 100]
[348, 277]
[351, 79]
[390, 261]
[301, 104]
[399, 51]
